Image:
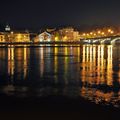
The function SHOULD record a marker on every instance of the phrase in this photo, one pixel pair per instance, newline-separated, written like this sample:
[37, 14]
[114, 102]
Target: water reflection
[90, 71]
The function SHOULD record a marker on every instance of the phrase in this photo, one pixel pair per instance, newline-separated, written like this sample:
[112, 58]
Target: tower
[7, 28]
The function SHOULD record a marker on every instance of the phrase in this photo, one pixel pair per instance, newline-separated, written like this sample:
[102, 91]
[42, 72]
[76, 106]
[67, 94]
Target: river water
[89, 71]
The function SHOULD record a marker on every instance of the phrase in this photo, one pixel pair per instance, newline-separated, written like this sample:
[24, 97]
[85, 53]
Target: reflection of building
[20, 56]
[2, 37]
[43, 37]
[11, 62]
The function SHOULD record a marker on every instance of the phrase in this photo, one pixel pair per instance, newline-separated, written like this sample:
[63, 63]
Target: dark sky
[39, 13]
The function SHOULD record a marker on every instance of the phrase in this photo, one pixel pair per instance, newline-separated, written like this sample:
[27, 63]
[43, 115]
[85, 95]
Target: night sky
[41, 13]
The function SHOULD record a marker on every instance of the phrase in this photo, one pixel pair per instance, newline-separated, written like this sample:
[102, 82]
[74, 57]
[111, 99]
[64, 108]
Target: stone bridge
[102, 40]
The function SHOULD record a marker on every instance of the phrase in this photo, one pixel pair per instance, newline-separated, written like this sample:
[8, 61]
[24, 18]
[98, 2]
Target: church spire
[7, 28]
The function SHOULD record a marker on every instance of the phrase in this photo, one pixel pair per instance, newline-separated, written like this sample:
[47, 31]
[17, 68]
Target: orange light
[99, 32]
[84, 34]
[91, 33]
[112, 32]
[103, 33]
[56, 38]
[109, 30]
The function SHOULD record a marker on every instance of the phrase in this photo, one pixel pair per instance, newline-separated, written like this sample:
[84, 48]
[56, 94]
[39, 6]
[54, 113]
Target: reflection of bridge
[103, 40]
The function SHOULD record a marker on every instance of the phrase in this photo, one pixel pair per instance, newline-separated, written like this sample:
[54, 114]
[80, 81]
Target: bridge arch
[115, 39]
[104, 40]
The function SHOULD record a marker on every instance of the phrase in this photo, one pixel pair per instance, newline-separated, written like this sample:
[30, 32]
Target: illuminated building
[14, 36]
[43, 37]
[76, 35]
[2, 37]
[68, 34]
[21, 37]
[17, 37]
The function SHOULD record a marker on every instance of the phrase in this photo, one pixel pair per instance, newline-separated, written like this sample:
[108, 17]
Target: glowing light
[19, 36]
[99, 32]
[49, 40]
[65, 38]
[103, 33]
[91, 33]
[112, 32]
[12, 32]
[56, 38]
[84, 34]
[109, 30]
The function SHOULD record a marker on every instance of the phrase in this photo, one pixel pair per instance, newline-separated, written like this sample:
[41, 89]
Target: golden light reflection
[66, 64]
[87, 51]
[78, 54]
[94, 67]
[109, 66]
[25, 62]
[96, 96]
[56, 63]
[2, 59]
[11, 62]
[20, 55]
[41, 61]
[83, 64]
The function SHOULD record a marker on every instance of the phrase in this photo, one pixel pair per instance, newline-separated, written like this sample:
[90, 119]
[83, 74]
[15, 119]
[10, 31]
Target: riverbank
[54, 107]
[62, 44]
[35, 43]
[51, 43]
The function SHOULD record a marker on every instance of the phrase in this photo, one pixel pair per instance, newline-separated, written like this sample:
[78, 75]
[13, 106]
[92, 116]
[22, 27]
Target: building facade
[17, 37]
[67, 35]
[2, 37]
[43, 37]
[20, 37]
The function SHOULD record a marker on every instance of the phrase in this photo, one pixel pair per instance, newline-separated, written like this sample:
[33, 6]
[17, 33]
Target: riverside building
[2, 37]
